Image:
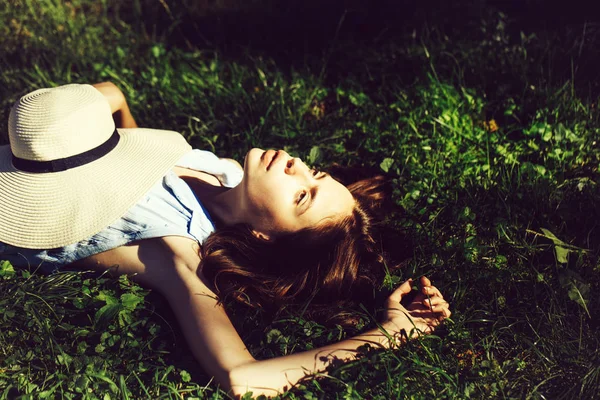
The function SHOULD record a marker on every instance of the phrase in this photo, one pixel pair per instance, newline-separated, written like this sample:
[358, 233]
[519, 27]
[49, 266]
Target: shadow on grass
[293, 32]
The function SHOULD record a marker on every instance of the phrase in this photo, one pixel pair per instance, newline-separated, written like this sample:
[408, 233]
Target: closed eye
[307, 198]
[301, 196]
[318, 174]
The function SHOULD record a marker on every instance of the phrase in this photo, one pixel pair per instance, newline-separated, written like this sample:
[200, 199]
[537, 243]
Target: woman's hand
[424, 313]
[270, 377]
[118, 104]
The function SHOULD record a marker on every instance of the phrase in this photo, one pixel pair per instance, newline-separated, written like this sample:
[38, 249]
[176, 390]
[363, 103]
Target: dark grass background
[482, 114]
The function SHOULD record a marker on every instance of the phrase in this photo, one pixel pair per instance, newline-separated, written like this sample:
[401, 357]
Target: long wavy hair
[320, 268]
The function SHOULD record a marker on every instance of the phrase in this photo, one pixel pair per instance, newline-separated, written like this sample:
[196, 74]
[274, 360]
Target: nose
[290, 166]
[294, 165]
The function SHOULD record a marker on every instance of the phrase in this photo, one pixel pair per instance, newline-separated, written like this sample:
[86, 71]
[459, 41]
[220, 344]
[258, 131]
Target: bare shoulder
[152, 262]
[169, 265]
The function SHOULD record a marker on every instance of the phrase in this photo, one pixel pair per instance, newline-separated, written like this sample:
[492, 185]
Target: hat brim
[49, 210]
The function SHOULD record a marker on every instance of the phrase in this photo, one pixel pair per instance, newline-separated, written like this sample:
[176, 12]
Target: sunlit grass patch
[487, 131]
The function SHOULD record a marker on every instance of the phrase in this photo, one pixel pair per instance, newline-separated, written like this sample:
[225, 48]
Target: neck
[223, 205]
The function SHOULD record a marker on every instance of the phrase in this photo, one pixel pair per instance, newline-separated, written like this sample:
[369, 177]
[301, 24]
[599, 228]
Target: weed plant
[483, 117]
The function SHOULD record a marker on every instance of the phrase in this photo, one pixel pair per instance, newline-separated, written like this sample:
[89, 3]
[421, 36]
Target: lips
[269, 157]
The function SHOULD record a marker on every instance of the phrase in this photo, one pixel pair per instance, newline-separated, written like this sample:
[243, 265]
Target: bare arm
[118, 104]
[169, 265]
[272, 376]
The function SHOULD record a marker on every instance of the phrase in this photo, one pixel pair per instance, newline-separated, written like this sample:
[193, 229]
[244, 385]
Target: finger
[427, 312]
[417, 305]
[431, 291]
[402, 290]
[440, 311]
[425, 281]
[446, 313]
[442, 314]
[422, 300]
[426, 315]
[442, 308]
[434, 301]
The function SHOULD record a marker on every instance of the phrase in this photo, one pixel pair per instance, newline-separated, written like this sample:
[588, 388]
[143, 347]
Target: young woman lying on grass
[199, 229]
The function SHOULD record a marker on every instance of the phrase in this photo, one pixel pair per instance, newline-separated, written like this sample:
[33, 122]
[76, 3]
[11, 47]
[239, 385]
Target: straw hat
[68, 173]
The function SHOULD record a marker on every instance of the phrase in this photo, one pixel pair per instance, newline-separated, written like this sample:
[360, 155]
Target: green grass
[503, 216]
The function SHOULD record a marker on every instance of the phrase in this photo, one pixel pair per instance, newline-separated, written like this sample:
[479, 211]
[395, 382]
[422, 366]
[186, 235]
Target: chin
[252, 158]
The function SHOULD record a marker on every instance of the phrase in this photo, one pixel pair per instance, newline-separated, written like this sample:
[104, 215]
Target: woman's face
[281, 194]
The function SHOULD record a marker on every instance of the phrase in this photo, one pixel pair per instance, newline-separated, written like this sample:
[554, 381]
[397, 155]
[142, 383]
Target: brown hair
[323, 265]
